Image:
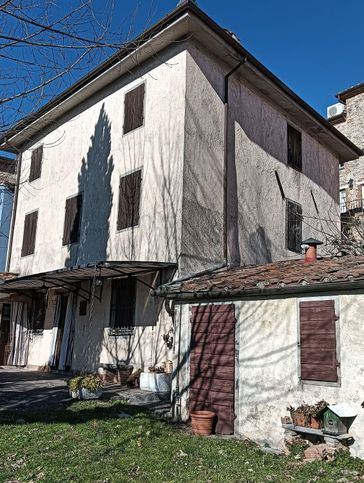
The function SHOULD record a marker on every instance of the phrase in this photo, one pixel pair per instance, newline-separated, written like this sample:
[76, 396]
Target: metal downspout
[15, 205]
[226, 154]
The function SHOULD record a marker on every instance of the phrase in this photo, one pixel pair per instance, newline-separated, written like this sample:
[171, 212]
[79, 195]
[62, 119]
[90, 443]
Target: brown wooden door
[5, 342]
[212, 370]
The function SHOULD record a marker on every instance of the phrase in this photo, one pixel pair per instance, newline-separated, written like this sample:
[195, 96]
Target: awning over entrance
[69, 278]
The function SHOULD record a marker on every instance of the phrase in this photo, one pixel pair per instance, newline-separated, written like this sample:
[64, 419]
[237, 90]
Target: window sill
[321, 383]
[36, 332]
[137, 128]
[132, 227]
[121, 331]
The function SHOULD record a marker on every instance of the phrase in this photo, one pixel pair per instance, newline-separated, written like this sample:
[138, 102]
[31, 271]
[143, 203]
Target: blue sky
[313, 46]
[309, 45]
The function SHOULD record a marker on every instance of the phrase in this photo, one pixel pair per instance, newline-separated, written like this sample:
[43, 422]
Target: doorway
[212, 364]
[60, 331]
[5, 339]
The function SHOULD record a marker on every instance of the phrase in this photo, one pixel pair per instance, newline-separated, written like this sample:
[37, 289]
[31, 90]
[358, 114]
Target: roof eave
[233, 294]
[174, 25]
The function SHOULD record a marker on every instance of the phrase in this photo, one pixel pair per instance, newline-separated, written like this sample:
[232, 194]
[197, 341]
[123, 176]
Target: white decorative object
[335, 110]
[155, 382]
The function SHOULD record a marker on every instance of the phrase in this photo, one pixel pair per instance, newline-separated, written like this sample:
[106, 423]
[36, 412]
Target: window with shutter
[30, 230]
[36, 164]
[72, 220]
[122, 307]
[293, 226]
[129, 200]
[294, 147]
[134, 109]
[318, 341]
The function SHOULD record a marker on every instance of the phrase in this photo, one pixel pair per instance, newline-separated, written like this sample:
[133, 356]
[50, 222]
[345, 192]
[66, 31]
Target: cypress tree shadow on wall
[94, 184]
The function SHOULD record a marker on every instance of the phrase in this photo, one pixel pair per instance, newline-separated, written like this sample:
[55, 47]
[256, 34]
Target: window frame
[22, 254]
[292, 130]
[342, 200]
[143, 83]
[132, 226]
[305, 382]
[298, 249]
[67, 244]
[31, 168]
[114, 328]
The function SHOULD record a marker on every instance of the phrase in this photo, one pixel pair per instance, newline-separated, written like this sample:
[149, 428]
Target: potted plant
[308, 416]
[87, 386]
[115, 374]
[202, 422]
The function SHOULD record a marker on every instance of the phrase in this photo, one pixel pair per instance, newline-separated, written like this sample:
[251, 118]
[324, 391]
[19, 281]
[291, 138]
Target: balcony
[355, 206]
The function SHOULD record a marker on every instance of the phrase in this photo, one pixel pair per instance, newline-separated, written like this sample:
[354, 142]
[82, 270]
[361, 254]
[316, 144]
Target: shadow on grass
[74, 412]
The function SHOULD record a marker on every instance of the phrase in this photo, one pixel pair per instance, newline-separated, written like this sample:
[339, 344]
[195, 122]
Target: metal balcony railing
[352, 205]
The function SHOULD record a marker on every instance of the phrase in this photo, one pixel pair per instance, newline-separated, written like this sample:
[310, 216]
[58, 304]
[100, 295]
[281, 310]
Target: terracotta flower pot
[315, 423]
[298, 418]
[202, 422]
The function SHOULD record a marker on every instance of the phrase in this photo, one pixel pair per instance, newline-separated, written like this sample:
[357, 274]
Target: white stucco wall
[256, 210]
[92, 343]
[87, 152]
[267, 366]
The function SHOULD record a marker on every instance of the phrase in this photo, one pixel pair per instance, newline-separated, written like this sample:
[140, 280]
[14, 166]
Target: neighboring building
[7, 185]
[349, 120]
[255, 340]
[179, 153]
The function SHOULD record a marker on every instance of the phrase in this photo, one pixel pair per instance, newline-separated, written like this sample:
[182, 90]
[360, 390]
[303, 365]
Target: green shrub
[91, 382]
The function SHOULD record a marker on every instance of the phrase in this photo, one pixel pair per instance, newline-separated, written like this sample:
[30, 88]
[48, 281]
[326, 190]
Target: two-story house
[180, 153]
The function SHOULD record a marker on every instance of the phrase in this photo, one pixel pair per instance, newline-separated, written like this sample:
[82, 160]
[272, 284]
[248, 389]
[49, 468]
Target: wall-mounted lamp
[99, 282]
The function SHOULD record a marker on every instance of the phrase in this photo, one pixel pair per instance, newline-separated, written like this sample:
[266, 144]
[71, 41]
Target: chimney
[310, 246]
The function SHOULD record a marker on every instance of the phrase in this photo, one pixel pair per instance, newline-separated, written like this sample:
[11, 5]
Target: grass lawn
[87, 442]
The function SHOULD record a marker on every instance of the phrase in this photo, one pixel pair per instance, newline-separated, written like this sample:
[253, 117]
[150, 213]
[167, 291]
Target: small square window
[82, 308]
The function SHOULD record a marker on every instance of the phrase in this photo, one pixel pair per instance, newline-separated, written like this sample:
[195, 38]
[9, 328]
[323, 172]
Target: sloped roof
[283, 276]
[185, 21]
[350, 92]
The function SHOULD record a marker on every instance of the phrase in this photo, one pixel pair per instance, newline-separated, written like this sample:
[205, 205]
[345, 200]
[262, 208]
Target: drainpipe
[15, 205]
[226, 153]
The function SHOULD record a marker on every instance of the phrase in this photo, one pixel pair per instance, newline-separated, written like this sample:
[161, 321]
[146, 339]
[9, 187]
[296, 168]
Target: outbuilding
[252, 341]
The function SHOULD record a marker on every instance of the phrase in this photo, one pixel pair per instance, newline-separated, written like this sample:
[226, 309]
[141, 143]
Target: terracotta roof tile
[7, 276]
[288, 273]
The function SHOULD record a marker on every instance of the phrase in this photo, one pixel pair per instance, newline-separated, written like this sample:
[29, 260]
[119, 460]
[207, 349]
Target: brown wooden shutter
[129, 200]
[30, 229]
[293, 226]
[71, 231]
[134, 109]
[318, 341]
[294, 147]
[36, 164]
